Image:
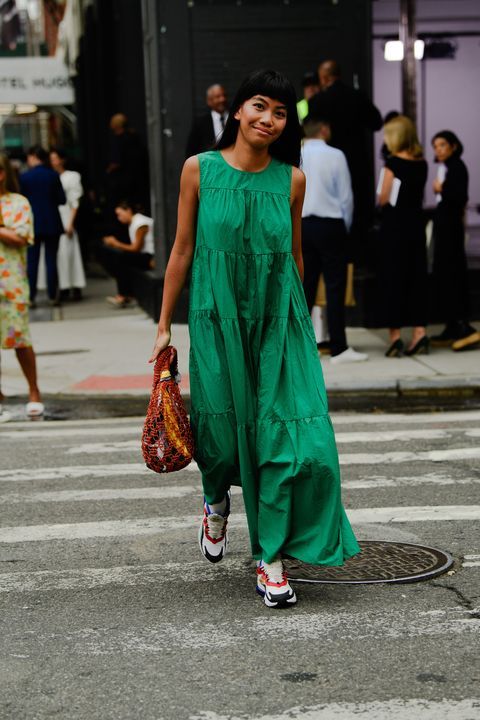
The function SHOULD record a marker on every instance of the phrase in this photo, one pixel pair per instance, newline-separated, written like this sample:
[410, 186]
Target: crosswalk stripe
[152, 526]
[390, 436]
[394, 709]
[345, 458]
[124, 575]
[405, 419]
[146, 493]
[306, 627]
[61, 432]
[177, 491]
[342, 437]
[72, 472]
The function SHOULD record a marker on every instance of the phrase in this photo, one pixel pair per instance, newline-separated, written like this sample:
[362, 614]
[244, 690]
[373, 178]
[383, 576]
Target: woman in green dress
[258, 403]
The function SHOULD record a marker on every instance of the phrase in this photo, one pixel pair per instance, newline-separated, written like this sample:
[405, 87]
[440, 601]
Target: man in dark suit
[353, 117]
[42, 187]
[207, 129]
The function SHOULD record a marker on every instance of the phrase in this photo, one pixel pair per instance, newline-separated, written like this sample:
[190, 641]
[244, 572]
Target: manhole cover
[379, 562]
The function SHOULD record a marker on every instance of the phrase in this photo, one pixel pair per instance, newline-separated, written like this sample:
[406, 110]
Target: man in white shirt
[208, 128]
[326, 219]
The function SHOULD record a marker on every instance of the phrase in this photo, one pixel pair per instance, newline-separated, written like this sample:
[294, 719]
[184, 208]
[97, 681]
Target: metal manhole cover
[379, 562]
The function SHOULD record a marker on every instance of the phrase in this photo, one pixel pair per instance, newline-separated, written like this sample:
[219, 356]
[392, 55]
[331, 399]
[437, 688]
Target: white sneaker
[212, 534]
[273, 585]
[347, 356]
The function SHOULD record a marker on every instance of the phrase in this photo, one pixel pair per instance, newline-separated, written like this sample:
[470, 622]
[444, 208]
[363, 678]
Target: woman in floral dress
[16, 233]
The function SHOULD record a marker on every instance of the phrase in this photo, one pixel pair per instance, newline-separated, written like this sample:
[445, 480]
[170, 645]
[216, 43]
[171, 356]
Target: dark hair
[58, 151]
[390, 116]
[11, 181]
[309, 78]
[274, 85]
[129, 205]
[39, 152]
[451, 139]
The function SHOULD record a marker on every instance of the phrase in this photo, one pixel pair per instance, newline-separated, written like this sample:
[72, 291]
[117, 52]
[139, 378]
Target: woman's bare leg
[26, 358]
[418, 333]
[394, 334]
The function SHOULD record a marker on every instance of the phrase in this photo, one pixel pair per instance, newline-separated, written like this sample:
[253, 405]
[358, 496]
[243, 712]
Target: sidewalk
[90, 349]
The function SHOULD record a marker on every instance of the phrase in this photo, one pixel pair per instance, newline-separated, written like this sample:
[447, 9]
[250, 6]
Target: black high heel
[396, 349]
[422, 347]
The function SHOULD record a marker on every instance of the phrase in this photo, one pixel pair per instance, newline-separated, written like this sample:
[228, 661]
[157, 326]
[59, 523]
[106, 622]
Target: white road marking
[475, 432]
[396, 457]
[54, 431]
[146, 493]
[404, 419]
[328, 628]
[72, 472]
[390, 436]
[124, 575]
[381, 481]
[394, 709]
[471, 561]
[468, 453]
[159, 525]
[105, 447]
[62, 432]
[101, 471]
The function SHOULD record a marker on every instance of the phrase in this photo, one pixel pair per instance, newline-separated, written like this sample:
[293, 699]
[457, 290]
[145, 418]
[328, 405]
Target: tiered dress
[259, 409]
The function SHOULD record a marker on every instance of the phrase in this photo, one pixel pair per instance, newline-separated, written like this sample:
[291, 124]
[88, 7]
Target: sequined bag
[167, 440]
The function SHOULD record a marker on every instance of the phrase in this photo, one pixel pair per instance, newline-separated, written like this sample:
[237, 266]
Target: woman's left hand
[437, 186]
[162, 341]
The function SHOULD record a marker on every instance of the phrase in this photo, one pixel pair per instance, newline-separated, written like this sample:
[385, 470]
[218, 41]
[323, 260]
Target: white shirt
[218, 128]
[139, 221]
[72, 187]
[329, 188]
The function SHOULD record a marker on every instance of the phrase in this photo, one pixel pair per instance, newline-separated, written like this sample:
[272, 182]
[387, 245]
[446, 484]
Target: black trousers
[51, 243]
[324, 245]
[119, 265]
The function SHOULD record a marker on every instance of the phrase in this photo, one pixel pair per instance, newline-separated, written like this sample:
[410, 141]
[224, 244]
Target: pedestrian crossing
[84, 522]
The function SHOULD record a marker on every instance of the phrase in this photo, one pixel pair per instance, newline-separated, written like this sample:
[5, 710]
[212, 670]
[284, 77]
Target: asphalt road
[107, 609]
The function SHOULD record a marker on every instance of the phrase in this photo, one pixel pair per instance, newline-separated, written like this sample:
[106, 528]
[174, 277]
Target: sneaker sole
[211, 558]
[283, 601]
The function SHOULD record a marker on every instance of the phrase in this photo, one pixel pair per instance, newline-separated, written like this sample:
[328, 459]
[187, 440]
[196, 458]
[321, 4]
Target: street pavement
[108, 610]
[91, 350]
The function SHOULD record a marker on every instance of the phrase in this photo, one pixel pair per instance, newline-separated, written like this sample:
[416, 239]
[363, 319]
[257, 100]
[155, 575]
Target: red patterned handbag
[167, 441]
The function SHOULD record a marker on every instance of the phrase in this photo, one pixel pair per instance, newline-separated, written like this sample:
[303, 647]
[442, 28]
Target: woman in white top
[119, 258]
[71, 275]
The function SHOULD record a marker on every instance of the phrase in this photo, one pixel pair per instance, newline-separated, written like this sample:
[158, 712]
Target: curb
[404, 395]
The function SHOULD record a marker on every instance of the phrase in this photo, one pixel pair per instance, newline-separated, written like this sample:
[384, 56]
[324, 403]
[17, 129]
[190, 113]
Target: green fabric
[259, 410]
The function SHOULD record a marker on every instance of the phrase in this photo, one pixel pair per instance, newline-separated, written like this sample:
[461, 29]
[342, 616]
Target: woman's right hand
[162, 341]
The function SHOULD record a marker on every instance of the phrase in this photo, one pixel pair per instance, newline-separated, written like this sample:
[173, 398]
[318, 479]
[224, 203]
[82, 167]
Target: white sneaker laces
[216, 525]
[274, 571]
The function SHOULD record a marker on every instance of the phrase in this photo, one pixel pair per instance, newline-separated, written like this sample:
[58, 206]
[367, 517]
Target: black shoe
[451, 333]
[422, 347]
[324, 347]
[396, 349]
[77, 294]
[64, 295]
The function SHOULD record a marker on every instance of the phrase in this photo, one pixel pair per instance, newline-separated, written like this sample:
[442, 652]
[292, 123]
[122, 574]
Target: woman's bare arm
[10, 237]
[386, 189]
[182, 252]
[296, 204]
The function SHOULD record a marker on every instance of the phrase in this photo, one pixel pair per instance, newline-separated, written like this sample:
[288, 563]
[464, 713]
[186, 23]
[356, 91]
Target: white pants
[69, 265]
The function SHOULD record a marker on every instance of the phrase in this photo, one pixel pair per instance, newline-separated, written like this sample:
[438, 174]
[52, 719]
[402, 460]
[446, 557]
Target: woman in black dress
[449, 258]
[403, 256]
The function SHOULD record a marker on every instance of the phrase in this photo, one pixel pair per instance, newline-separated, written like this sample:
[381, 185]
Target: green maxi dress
[258, 403]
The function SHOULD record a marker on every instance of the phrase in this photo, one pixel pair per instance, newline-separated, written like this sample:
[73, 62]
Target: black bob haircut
[451, 139]
[272, 84]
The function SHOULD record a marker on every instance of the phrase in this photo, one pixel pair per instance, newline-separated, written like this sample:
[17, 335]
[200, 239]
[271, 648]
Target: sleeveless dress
[258, 403]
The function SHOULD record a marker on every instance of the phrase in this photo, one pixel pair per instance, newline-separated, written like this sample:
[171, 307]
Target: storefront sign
[37, 80]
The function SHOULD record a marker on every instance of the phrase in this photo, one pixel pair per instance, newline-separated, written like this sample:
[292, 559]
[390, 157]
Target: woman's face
[56, 161]
[124, 215]
[262, 120]
[442, 149]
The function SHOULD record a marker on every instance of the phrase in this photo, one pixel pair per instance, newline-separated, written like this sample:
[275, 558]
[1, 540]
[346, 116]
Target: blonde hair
[10, 184]
[401, 135]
